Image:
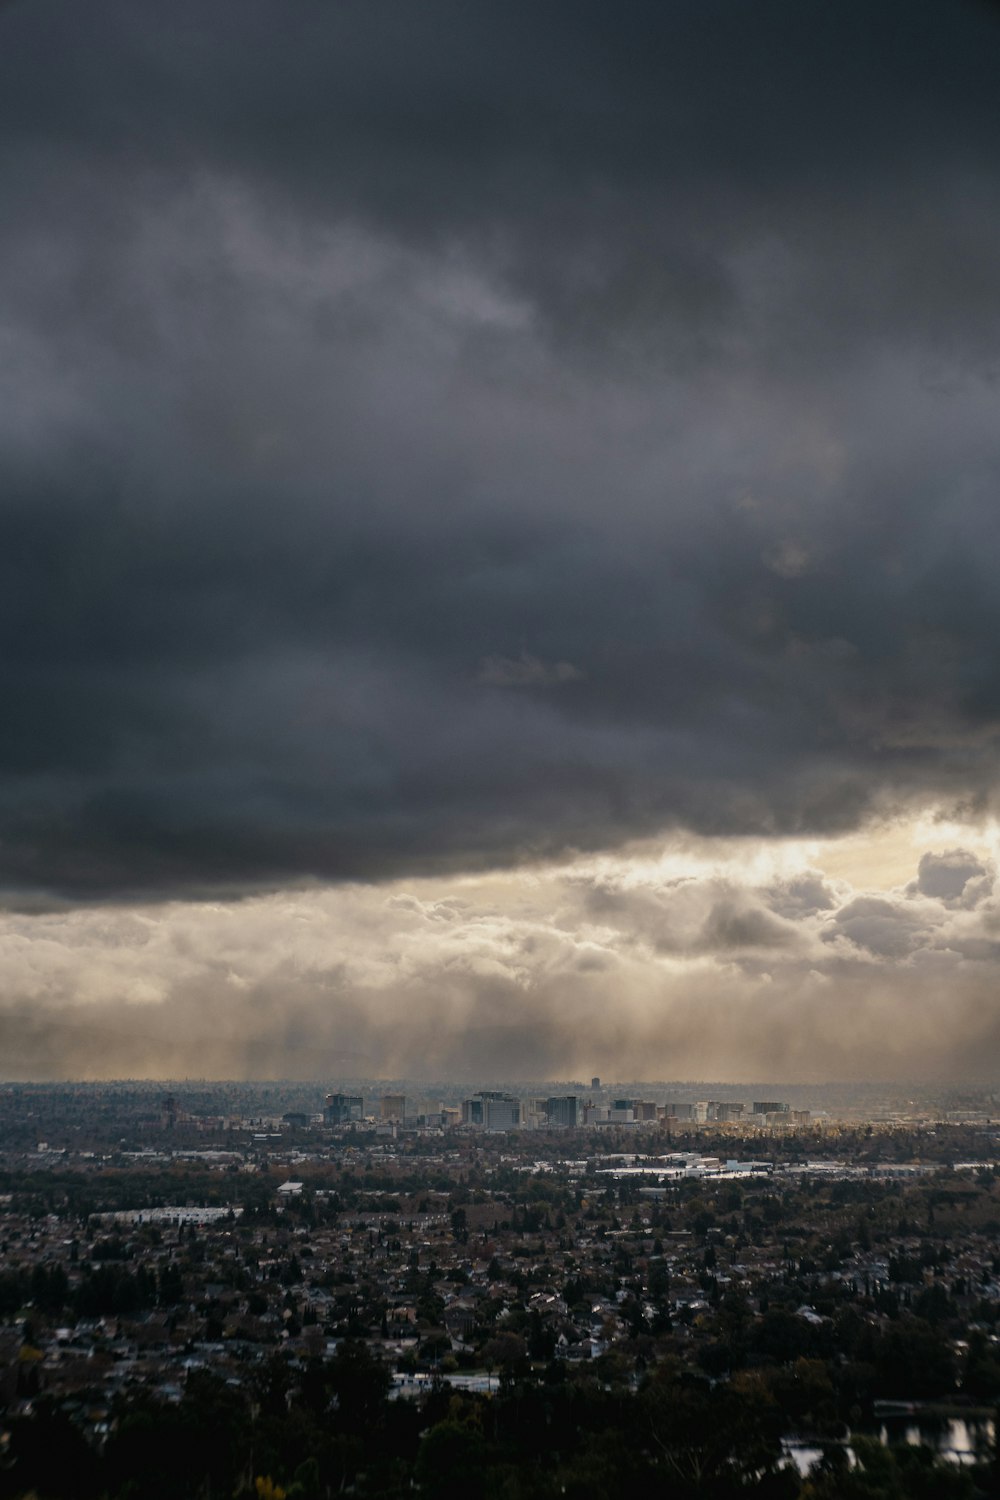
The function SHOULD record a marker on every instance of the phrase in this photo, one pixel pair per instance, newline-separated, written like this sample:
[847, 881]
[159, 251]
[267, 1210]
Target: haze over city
[499, 540]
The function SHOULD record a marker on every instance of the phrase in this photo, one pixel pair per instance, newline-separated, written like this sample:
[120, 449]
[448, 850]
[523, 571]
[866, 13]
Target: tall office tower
[503, 1112]
[563, 1109]
[341, 1109]
[472, 1111]
[492, 1110]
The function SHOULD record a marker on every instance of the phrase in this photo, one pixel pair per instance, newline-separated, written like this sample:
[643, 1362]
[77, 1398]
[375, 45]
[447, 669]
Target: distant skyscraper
[492, 1110]
[393, 1107]
[563, 1109]
[595, 1083]
[503, 1113]
[341, 1109]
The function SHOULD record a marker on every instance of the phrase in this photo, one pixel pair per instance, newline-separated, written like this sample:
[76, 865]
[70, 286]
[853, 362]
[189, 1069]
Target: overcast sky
[499, 536]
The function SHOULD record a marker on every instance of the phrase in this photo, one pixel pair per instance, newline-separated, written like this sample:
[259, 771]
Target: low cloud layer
[619, 966]
[440, 437]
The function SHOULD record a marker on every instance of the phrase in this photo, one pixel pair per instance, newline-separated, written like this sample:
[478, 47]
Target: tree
[450, 1461]
[360, 1384]
[508, 1353]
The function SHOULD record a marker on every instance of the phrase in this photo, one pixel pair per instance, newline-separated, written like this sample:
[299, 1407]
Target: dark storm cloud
[435, 436]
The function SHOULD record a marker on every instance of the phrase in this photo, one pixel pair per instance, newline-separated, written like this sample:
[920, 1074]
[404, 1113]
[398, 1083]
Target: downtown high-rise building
[563, 1109]
[342, 1109]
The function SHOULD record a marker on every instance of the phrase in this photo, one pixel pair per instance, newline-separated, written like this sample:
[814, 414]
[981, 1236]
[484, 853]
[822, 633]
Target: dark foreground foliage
[330, 1428]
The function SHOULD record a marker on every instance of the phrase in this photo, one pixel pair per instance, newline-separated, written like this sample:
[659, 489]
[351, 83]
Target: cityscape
[796, 1295]
[499, 750]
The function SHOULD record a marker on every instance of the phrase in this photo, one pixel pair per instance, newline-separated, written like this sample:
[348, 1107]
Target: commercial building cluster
[496, 1109]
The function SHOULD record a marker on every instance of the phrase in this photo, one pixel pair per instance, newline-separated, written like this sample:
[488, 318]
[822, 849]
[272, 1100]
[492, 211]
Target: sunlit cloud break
[712, 961]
